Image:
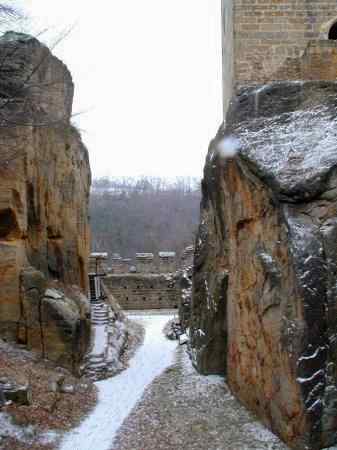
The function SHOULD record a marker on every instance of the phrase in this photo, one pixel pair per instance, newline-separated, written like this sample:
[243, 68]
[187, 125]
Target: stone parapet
[145, 263]
[167, 262]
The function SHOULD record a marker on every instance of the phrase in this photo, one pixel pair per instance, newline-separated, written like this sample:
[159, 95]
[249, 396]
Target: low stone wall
[148, 291]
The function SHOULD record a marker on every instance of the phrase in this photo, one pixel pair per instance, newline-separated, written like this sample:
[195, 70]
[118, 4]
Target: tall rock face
[264, 308]
[44, 190]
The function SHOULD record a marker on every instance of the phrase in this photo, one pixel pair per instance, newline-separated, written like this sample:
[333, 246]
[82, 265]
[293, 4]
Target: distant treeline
[148, 214]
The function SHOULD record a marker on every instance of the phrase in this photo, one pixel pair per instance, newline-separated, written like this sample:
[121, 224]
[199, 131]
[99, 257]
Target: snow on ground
[254, 429]
[25, 434]
[185, 410]
[118, 395]
[100, 340]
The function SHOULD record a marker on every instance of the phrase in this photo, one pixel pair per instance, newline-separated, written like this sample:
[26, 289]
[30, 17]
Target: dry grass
[14, 444]
[49, 410]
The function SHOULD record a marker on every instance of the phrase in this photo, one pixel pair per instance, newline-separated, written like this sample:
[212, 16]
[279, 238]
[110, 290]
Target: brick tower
[277, 40]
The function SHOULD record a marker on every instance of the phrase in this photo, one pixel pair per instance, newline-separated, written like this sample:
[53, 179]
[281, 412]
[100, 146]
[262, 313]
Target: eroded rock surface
[44, 190]
[264, 301]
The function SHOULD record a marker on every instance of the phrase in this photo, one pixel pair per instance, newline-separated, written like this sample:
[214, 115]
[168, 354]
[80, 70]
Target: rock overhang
[287, 136]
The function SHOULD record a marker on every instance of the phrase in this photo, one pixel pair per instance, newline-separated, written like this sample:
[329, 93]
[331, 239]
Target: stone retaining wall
[151, 291]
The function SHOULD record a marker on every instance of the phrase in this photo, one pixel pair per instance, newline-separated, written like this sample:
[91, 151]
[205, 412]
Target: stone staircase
[99, 313]
[108, 339]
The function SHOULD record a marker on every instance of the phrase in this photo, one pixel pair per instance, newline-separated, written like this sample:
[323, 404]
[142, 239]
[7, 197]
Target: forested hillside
[144, 215]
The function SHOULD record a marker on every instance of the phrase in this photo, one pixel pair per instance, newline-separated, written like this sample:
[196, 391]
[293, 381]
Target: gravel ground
[184, 410]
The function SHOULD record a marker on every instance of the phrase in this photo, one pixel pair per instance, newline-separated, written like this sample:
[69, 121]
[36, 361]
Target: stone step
[100, 366]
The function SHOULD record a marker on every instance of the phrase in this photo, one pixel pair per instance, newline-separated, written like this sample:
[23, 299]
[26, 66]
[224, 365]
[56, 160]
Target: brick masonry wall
[227, 51]
[278, 40]
[134, 291]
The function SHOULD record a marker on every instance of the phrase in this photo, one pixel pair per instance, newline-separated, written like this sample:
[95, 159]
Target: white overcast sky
[147, 78]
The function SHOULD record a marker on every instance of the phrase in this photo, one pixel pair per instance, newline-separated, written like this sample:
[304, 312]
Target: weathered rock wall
[44, 190]
[264, 300]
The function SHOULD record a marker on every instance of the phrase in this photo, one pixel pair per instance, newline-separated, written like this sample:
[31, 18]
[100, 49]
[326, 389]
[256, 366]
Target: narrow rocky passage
[118, 395]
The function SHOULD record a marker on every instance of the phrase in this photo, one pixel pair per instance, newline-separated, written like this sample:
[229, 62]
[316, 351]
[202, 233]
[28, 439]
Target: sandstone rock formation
[264, 301]
[44, 189]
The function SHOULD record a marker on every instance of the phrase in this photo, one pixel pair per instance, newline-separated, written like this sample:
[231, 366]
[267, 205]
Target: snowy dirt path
[184, 410]
[118, 395]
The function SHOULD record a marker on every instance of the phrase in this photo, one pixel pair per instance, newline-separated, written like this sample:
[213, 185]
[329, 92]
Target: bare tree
[148, 214]
[9, 15]
[25, 101]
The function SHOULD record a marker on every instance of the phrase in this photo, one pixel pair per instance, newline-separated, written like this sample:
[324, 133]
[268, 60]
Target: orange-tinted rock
[264, 301]
[44, 190]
